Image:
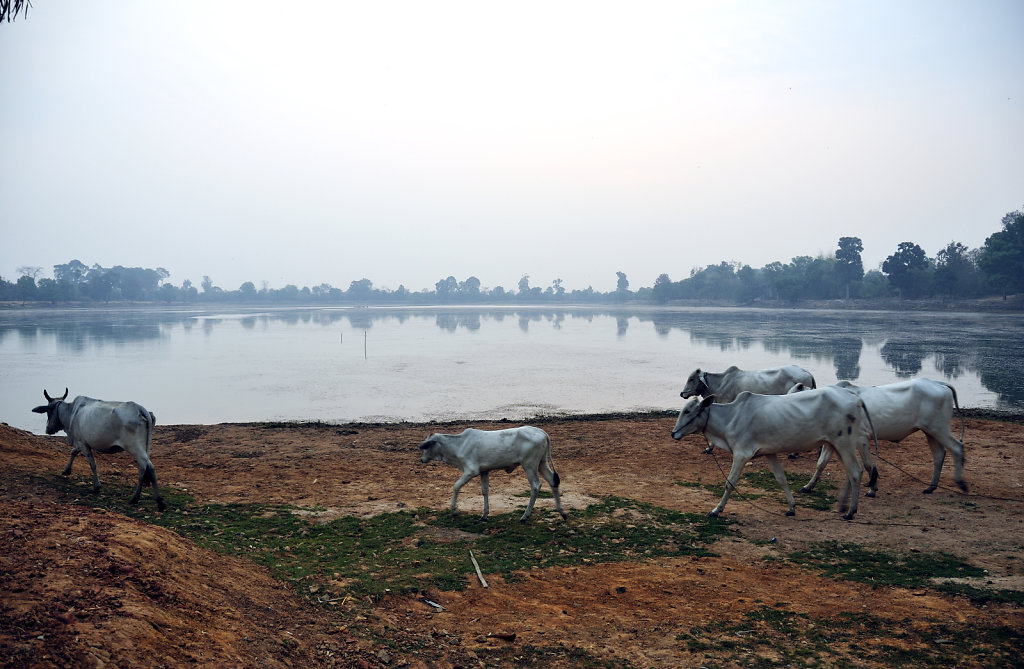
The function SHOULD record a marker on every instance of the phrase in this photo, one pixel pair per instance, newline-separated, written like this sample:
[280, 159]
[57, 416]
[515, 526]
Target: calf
[900, 409]
[478, 452]
[104, 427]
[767, 425]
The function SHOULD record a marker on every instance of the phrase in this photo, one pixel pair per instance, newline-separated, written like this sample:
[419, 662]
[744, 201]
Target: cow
[478, 452]
[727, 386]
[766, 425]
[900, 409]
[104, 427]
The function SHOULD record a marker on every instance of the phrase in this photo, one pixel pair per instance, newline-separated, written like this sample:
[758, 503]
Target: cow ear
[40, 409]
[707, 401]
[426, 444]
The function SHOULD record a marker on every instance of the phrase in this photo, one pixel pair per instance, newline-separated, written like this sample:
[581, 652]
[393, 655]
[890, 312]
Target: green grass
[772, 637]
[821, 498]
[410, 551]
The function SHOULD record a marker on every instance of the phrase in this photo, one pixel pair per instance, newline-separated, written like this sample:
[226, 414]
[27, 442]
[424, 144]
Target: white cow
[727, 386]
[104, 427]
[900, 409]
[477, 452]
[767, 425]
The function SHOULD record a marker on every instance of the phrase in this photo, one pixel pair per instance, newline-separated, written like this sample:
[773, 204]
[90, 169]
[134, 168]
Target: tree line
[956, 272]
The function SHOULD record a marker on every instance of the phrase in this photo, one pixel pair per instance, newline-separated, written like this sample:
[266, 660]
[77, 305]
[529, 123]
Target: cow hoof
[806, 489]
[791, 513]
[66, 472]
[963, 486]
[160, 505]
[928, 491]
[713, 514]
[870, 493]
[848, 516]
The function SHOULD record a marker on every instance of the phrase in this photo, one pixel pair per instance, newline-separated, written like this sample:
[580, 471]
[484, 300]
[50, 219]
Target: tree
[622, 285]
[72, 272]
[1002, 257]
[662, 291]
[849, 266]
[25, 288]
[9, 9]
[470, 288]
[446, 288]
[524, 284]
[907, 269]
[955, 271]
[247, 291]
[358, 290]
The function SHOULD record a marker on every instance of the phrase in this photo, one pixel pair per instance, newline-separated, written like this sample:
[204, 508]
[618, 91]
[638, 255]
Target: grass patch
[854, 563]
[409, 551]
[771, 637]
[821, 498]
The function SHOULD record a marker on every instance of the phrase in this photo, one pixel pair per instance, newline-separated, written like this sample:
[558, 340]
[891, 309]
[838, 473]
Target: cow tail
[814, 384]
[149, 418]
[874, 435]
[551, 462]
[963, 427]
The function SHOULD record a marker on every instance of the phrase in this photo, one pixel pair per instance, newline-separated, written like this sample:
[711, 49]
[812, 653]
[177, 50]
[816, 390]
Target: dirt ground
[82, 586]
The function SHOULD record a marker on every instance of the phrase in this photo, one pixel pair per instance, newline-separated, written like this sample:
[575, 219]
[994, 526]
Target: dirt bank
[88, 586]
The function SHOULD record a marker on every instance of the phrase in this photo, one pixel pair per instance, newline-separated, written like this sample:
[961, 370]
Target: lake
[416, 364]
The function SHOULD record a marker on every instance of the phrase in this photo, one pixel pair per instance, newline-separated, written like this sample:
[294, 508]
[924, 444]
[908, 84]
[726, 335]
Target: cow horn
[65, 395]
[50, 399]
[47, 395]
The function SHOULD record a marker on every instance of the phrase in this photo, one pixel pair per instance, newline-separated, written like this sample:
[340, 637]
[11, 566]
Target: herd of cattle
[747, 413]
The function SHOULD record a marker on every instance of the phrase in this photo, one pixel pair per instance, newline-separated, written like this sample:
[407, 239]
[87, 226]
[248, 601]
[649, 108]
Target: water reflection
[957, 345]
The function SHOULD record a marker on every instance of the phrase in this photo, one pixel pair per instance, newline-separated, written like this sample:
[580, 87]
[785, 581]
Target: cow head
[53, 423]
[696, 384]
[693, 418]
[427, 450]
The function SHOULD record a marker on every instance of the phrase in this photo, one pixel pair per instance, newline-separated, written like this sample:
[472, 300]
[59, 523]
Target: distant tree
[470, 288]
[446, 288]
[907, 269]
[247, 291]
[557, 288]
[849, 266]
[25, 288]
[72, 272]
[524, 284]
[207, 284]
[622, 284]
[188, 292]
[30, 270]
[662, 291]
[956, 273]
[168, 293]
[360, 290]
[1002, 257]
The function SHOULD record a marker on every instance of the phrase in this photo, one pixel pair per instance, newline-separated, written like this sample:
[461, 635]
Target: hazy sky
[325, 142]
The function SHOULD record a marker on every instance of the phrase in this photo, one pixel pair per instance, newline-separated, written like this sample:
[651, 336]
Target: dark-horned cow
[478, 452]
[766, 425]
[104, 427]
[726, 386]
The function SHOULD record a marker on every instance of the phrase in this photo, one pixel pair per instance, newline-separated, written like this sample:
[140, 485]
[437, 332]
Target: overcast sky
[326, 142]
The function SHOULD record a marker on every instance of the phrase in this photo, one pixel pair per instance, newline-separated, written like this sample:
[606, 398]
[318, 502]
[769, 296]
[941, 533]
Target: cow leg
[738, 462]
[824, 455]
[551, 477]
[92, 464]
[851, 489]
[780, 476]
[938, 458]
[147, 474]
[531, 474]
[458, 486]
[74, 454]
[485, 486]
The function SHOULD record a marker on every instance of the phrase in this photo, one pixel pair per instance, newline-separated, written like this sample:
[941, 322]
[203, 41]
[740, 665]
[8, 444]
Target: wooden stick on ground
[477, 567]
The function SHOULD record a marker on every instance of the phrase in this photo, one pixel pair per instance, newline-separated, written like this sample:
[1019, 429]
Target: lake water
[366, 364]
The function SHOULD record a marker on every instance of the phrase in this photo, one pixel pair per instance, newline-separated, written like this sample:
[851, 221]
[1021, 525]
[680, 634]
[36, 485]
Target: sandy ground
[83, 586]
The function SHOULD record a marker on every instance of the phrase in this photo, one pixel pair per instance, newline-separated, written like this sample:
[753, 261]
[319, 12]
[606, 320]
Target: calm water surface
[202, 366]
